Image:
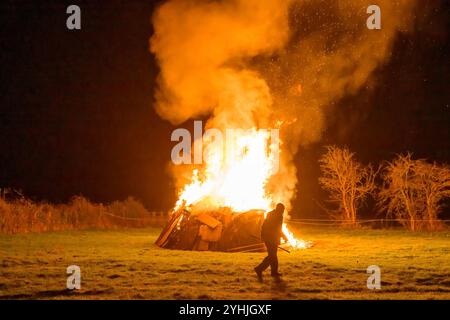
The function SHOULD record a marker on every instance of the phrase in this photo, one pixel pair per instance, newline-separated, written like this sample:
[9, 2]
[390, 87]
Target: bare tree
[398, 196]
[348, 182]
[434, 181]
[413, 191]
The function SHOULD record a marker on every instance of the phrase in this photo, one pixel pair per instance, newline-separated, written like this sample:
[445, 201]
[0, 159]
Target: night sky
[77, 117]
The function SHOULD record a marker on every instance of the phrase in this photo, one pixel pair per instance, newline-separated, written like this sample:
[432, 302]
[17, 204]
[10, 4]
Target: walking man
[271, 232]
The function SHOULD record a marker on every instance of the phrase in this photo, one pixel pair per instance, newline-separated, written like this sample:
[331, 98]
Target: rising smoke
[259, 63]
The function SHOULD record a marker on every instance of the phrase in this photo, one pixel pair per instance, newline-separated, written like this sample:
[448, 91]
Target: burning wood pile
[222, 206]
[223, 203]
[219, 230]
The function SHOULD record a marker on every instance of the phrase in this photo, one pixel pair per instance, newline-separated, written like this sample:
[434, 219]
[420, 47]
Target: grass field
[127, 265]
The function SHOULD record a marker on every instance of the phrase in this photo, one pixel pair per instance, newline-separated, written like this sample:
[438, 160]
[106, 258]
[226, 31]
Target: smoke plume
[254, 63]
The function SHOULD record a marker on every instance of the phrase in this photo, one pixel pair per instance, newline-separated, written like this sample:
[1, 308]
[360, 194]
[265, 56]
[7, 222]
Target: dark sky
[76, 114]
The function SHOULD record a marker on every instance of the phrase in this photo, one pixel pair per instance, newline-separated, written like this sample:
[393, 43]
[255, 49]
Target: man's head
[279, 208]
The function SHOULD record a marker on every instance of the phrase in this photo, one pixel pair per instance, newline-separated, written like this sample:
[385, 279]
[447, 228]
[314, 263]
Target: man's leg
[273, 258]
[265, 263]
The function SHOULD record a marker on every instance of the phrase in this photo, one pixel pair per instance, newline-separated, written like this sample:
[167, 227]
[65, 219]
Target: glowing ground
[127, 265]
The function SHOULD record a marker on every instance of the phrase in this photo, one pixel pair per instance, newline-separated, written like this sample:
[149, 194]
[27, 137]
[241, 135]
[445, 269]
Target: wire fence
[152, 215]
[334, 222]
[307, 221]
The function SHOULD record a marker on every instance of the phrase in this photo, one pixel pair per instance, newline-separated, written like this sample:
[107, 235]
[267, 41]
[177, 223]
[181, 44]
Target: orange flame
[237, 179]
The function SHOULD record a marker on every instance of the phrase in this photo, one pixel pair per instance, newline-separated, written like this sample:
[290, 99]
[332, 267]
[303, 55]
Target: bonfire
[223, 206]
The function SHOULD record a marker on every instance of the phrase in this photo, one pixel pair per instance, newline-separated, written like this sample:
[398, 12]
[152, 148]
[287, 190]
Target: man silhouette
[271, 232]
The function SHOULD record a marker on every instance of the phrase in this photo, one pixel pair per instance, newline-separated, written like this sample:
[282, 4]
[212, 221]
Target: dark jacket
[271, 230]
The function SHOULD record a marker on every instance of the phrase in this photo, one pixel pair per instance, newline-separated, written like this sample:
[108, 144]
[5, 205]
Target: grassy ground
[127, 265]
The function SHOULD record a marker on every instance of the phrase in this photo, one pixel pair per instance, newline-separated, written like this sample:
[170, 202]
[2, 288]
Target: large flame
[236, 179]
